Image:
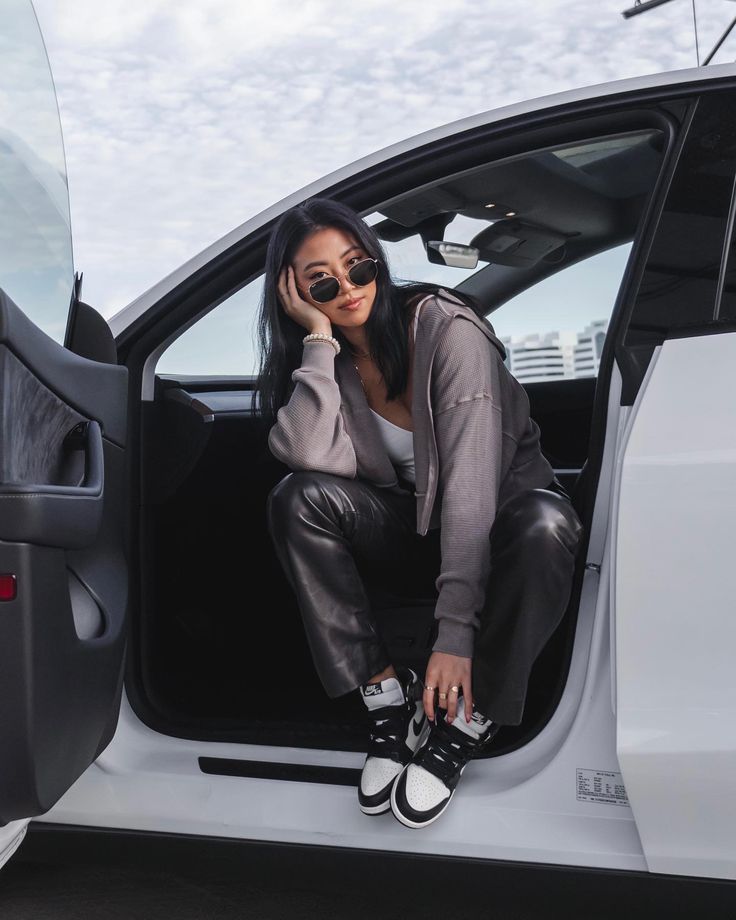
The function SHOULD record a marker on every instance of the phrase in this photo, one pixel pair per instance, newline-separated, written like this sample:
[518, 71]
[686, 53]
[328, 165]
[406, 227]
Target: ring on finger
[443, 696]
[427, 687]
[454, 689]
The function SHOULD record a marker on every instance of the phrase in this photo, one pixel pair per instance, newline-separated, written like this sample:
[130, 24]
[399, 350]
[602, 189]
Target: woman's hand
[307, 315]
[445, 671]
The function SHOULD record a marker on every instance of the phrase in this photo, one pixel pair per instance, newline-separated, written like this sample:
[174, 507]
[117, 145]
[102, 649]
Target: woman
[412, 453]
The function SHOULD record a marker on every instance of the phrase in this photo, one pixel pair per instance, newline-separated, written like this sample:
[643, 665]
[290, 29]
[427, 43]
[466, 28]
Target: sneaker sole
[378, 809]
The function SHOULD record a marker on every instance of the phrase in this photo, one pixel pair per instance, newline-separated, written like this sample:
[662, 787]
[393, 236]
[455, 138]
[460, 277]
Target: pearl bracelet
[322, 337]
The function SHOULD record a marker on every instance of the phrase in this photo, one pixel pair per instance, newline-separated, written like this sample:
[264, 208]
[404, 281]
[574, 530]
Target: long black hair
[280, 336]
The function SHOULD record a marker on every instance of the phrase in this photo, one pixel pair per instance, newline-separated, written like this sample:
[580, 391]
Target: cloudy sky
[183, 119]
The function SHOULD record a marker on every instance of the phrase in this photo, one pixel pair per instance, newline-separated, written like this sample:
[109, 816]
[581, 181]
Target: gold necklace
[367, 354]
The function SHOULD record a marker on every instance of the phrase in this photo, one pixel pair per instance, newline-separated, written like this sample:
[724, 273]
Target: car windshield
[525, 215]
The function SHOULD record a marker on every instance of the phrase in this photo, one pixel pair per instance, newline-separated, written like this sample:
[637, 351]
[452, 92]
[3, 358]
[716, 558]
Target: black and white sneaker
[427, 784]
[398, 727]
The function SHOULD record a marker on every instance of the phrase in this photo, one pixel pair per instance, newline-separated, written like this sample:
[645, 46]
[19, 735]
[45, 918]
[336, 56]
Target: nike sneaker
[398, 727]
[427, 784]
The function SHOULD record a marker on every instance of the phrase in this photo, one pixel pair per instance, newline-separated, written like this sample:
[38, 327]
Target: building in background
[556, 355]
[588, 349]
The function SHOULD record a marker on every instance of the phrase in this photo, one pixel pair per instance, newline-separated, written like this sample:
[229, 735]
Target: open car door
[63, 573]
[674, 600]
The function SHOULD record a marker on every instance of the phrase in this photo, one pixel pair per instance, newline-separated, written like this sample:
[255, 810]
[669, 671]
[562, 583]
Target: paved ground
[63, 878]
[47, 892]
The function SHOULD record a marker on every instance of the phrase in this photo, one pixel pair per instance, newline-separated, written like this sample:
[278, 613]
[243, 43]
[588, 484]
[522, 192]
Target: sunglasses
[360, 274]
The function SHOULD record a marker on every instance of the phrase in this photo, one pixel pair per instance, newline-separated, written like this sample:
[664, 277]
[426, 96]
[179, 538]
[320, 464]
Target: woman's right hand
[307, 315]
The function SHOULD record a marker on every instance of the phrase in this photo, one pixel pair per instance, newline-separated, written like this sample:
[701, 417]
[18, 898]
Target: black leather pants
[330, 531]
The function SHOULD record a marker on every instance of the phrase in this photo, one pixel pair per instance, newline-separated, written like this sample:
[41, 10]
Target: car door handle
[87, 436]
[58, 515]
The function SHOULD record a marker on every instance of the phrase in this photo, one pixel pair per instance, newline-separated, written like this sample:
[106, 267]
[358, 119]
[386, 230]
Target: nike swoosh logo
[416, 727]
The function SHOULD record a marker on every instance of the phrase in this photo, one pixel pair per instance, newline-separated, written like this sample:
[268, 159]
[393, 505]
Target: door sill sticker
[603, 786]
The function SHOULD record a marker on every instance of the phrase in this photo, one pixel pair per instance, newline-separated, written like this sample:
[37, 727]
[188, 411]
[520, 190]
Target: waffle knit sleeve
[309, 433]
[468, 431]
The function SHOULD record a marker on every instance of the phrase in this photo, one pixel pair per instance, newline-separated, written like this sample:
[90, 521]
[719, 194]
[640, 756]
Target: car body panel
[675, 624]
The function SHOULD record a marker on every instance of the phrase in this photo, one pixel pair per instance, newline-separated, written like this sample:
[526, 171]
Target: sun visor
[516, 243]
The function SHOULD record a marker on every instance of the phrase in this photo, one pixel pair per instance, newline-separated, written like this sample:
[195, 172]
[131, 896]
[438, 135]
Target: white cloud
[183, 120]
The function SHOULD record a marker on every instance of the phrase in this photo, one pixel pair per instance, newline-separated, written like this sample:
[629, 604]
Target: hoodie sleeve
[309, 433]
[468, 431]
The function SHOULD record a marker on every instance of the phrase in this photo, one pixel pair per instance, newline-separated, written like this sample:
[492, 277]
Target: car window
[223, 342]
[36, 264]
[556, 328]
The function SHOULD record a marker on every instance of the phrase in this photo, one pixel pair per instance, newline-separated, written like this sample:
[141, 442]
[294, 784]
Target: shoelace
[447, 750]
[388, 730]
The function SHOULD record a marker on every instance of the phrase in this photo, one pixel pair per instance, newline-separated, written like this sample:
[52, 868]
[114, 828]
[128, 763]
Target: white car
[154, 672]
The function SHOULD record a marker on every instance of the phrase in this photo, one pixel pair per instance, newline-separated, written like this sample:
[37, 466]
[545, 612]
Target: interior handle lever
[77, 438]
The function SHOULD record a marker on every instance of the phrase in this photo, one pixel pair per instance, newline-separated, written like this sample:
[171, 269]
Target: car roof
[677, 78]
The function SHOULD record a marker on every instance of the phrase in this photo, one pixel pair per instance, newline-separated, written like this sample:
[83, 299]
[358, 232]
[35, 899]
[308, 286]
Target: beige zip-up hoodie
[475, 445]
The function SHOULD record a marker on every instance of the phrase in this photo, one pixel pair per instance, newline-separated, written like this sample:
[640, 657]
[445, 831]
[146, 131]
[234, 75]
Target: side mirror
[457, 255]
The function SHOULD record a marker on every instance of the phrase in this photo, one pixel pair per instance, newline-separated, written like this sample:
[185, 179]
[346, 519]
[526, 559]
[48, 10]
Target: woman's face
[331, 251]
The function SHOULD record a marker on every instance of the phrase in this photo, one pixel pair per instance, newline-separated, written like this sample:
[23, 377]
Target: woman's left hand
[444, 671]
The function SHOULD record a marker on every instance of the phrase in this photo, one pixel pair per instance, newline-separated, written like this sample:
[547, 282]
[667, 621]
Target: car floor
[158, 877]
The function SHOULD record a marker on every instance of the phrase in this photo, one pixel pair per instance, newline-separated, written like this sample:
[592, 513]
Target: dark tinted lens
[363, 272]
[325, 289]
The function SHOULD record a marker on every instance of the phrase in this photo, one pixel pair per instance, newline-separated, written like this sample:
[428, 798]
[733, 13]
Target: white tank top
[399, 442]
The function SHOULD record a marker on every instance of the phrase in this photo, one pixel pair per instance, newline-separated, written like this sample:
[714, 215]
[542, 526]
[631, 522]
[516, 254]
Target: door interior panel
[93, 388]
[62, 636]
[223, 645]
[41, 466]
[34, 425]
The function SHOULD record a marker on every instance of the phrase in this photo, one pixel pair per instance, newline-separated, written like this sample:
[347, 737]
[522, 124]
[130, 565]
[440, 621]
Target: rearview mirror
[457, 255]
